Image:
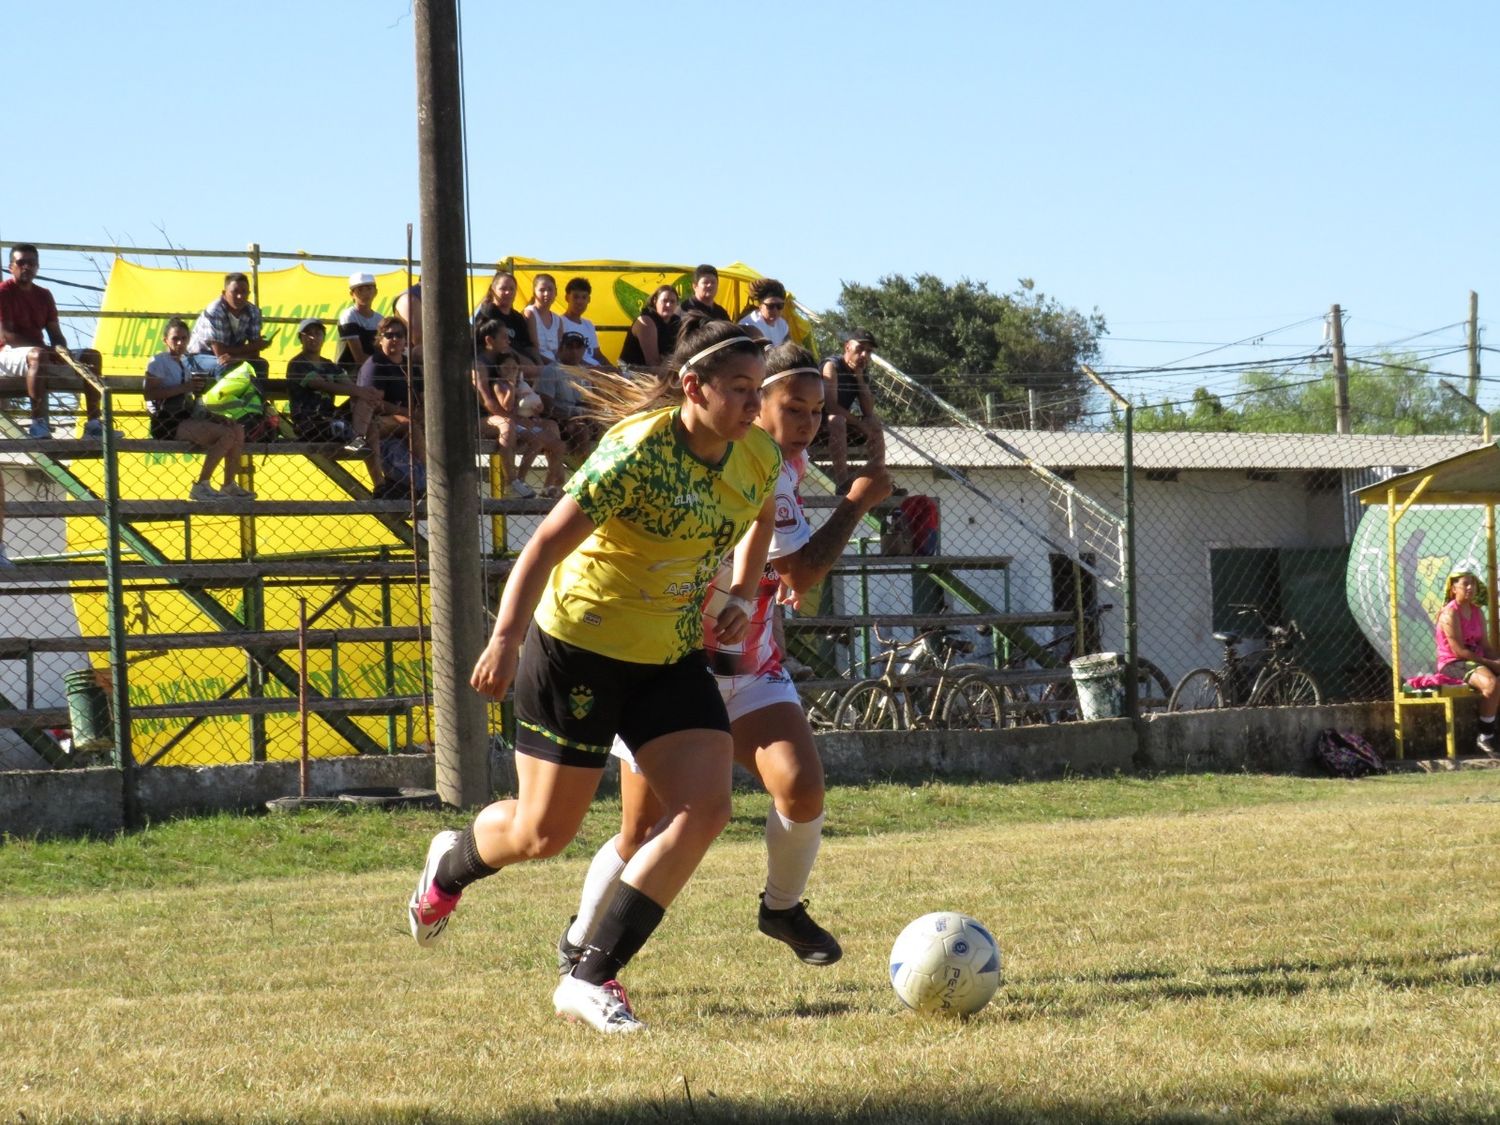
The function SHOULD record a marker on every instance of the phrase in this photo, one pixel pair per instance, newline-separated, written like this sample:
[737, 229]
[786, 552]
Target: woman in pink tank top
[1462, 652]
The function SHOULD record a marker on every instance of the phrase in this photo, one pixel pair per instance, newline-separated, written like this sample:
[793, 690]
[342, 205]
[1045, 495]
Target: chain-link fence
[1251, 555]
[1010, 537]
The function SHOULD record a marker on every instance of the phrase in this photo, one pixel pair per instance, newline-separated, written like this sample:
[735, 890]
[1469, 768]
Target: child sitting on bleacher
[315, 381]
[170, 391]
[509, 409]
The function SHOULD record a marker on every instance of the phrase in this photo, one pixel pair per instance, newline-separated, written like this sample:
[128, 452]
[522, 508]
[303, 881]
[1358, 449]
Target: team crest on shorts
[580, 701]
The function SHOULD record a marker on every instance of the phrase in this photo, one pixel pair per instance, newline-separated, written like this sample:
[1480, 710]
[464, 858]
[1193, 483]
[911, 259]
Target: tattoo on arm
[827, 543]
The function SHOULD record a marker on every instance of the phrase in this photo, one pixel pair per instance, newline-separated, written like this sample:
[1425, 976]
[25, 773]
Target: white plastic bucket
[1100, 679]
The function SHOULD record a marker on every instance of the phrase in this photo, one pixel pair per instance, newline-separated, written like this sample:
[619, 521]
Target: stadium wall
[1258, 739]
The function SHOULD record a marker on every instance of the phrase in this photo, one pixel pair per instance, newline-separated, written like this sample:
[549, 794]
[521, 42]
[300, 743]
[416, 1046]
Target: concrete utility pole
[1473, 345]
[461, 734]
[1340, 374]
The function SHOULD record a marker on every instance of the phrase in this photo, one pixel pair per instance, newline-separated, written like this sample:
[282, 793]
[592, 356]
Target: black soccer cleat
[812, 944]
[568, 954]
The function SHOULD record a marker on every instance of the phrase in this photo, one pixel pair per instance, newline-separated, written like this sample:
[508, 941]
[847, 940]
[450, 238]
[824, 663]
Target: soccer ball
[947, 963]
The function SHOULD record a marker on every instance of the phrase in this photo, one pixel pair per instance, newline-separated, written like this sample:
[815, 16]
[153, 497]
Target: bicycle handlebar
[942, 632]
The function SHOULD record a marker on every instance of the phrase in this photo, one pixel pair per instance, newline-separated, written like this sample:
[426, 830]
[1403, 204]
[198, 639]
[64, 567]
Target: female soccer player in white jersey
[772, 738]
[616, 576]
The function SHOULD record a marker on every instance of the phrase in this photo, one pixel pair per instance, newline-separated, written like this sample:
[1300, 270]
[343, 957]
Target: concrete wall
[92, 801]
[1263, 739]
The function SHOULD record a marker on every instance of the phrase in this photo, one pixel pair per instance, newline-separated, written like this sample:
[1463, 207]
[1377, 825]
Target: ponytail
[704, 346]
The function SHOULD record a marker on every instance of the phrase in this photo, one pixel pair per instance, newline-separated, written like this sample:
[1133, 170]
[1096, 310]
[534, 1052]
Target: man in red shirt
[27, 364]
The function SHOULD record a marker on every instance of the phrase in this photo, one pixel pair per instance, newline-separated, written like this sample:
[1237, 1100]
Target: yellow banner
[287, 296]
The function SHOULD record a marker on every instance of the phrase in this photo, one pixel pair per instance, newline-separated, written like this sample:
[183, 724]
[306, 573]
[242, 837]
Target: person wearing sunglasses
[767, 301]
[400, 407]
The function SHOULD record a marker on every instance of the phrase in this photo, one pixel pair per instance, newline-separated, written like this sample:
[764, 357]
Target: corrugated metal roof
[1472, 477]
[962, 448]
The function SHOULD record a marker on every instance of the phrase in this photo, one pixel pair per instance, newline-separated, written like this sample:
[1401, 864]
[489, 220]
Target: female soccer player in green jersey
[607, 597]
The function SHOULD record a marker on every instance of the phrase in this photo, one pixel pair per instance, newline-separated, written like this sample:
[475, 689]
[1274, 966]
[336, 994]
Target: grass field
[1177, 949]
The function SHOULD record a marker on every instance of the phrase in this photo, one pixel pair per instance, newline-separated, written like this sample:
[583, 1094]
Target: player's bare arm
[807, 567]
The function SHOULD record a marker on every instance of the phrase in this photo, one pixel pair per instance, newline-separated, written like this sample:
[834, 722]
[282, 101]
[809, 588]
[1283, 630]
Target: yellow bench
[1431, 697]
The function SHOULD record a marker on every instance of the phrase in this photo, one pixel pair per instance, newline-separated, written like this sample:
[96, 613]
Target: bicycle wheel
[1152, 688]
[820, 710]
[1020, 708]
[1059, 702]
[1202, 689]
[869, 705]
[973, 704]
[1287, 687]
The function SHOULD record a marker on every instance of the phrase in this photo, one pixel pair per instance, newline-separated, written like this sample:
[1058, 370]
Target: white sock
[599, 886]
[791, 849]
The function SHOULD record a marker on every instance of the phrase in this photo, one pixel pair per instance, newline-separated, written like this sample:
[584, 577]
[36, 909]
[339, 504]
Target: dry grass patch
[1331, 959]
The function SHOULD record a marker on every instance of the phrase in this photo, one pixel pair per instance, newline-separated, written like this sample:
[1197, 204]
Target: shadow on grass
[1049, 997]
[963, 1106]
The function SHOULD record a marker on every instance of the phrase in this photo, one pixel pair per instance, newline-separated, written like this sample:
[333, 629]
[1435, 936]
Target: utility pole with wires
[461, 734]
[1340, 373]
[1473, 345]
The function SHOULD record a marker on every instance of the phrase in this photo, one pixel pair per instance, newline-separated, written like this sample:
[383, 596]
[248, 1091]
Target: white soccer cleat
[604, 1007]
[429, 909]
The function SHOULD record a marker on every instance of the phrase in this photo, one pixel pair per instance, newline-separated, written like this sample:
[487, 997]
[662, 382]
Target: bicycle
[902, 698]
[1269, 677]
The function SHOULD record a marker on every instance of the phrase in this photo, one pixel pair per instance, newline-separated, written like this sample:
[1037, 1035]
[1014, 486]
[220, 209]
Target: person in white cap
[357, 323]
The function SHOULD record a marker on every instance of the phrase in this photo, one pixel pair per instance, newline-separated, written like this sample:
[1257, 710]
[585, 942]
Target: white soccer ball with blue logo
[946, 963]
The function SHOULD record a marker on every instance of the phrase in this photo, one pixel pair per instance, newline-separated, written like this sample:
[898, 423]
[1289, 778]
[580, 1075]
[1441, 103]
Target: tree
[1392, 395]
[972, 345]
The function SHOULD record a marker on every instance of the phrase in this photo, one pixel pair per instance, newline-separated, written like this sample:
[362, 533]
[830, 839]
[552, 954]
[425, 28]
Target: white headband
[708, 351]
[788, 373]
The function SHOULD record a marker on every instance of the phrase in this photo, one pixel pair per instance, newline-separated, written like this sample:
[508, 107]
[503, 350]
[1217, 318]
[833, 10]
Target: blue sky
[1200, 173]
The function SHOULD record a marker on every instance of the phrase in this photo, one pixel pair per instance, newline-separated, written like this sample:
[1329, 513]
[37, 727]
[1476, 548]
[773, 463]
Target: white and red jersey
[757, 654]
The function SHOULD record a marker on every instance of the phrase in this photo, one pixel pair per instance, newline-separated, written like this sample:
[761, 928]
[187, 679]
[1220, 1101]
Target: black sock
[1486, 726]
[627, 923]
[462, 865]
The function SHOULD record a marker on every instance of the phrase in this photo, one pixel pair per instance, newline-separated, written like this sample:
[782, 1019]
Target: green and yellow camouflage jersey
[663, 520]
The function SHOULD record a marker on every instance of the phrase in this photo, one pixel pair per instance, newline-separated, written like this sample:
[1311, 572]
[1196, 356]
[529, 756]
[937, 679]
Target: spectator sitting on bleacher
[544, 323]
[510, 411]
[705, 289]
[27, 365]
[845, 388]
[400, 411]
[767, 300]
[500, 304]
[653, 334]
[559, 386]
[170, 392]
[578, 294]
[315, 381]
[357, 324]
[228, 331]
